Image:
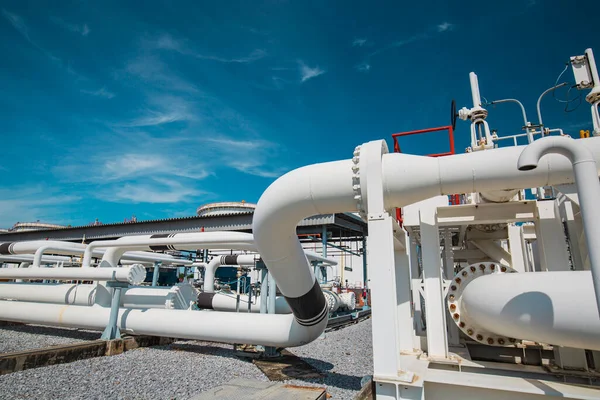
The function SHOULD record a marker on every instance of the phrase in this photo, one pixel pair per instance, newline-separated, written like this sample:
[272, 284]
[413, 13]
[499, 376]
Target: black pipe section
[310, 308]
[5, 248]
[161, 247]
[229, 260]
[204, 300]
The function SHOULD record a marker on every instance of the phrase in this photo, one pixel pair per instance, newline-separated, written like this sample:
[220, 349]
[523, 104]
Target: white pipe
[586, 179]
[475, 90]
[266, 329]
[557, 307]
[312, 190]
[30, 247]
[133, 256]
[81, 295]
[312, 256]
[205, 240]
[223, 301]
[18, 258]
[134, 274]
[216, 262]
[408, 179]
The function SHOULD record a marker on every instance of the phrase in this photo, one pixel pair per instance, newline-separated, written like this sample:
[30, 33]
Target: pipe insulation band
[229, 260]
[5, 248]
[162, 247]
[310, 308]
[205, 300]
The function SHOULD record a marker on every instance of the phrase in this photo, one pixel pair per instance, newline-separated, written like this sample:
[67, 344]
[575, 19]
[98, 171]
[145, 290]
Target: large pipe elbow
[304, 192]
[575, 151]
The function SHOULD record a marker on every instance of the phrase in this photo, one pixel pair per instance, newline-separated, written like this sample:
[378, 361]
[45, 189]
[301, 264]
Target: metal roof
[235, 221]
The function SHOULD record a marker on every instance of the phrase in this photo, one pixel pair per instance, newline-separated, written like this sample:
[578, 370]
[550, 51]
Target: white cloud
[168, 42]
[307, 72]
[32, 203]
[150, 69]
[445, 26]
[102, 92]
[359, 42]
[82, 29]
[363, 67]
[159, 191]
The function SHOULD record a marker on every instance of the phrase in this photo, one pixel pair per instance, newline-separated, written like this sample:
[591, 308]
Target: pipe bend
[575, 151]
[304, 192]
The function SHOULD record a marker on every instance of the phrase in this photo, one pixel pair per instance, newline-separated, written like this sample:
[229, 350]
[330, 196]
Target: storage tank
[224, 208]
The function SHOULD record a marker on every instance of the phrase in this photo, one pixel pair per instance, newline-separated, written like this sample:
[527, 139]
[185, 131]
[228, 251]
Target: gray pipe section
[588, 189]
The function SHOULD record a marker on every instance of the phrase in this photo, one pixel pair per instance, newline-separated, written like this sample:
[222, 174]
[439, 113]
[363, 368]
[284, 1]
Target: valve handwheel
[453, 114]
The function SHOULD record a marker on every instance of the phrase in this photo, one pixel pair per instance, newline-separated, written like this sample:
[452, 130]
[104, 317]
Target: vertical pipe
[364, 257]
[272, 294]
[324, 241]
[264, 290]
[156, 273]
[475, 89]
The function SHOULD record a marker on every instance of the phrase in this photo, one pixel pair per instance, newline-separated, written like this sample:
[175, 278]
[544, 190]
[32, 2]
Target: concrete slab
[250, 389]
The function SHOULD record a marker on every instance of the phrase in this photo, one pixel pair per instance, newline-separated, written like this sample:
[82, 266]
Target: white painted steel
[57, 293]
[18, 258]
[30, 247]
[134, 274]
[205, 240]
[312, 190]
[227, 327]
[216, 262]
[223, 301]
[408, 178]
[588, 189]
[556, 307]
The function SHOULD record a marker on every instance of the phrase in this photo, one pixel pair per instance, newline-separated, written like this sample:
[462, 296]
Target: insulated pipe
[312, 190]
[216, 262]
[135, 256]
[30, 247]
[223, 301]
[585, 170]
[408, 179]
[134, 274]
[226, 327]
[174, 241]
[556, 307]
[57, 293]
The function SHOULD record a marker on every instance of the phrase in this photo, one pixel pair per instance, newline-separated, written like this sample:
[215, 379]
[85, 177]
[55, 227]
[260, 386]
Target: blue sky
[114, 108]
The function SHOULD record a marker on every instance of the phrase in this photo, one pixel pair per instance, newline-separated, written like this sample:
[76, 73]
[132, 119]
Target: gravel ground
[184, 369]
[28, 337]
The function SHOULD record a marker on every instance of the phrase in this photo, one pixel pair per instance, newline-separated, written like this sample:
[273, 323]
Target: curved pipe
[176, 241]
[536, 306]
[223, 301]
[226, 327]
[312, 190]
[216, 262]
[588, 189]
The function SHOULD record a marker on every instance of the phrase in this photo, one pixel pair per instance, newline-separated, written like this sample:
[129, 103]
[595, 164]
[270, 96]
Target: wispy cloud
[307, 72]
[168, 42]
[82, 29]
[359, 42]
[19, 24]
[363, 67]
[159, 191]
[150, 69]
[445, 26]
[102, 92]
[32, 203]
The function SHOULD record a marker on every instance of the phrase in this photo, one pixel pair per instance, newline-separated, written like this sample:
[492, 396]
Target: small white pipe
[206, 240]
[586, 179]
[539, 102]
[216, 262]
[134, 274]
[279, 330]
[30, 247]
[475, 90]
[18, 258]
[557, 307]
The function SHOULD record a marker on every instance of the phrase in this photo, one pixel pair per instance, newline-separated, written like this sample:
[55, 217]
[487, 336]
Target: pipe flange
[478, 114]
[180, 297]
[459, 315]
[356, 183]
